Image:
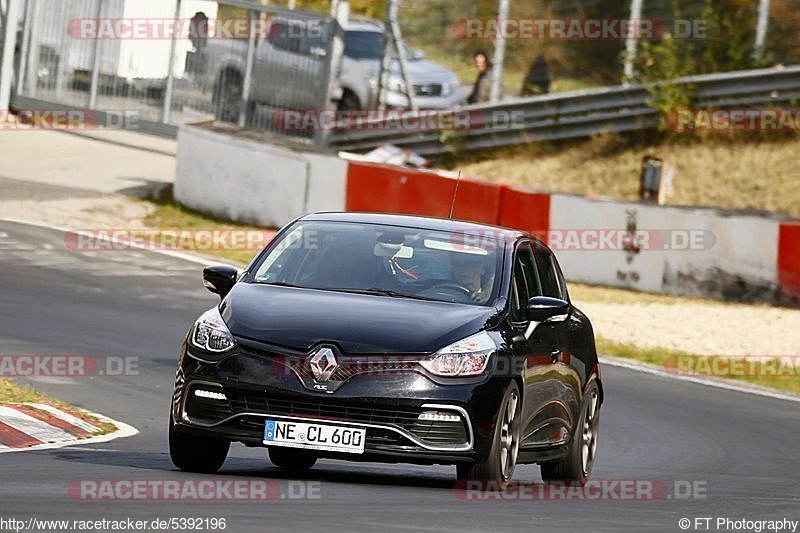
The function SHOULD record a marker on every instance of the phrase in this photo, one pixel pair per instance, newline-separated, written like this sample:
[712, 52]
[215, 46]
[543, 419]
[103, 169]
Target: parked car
[391, 338]
[289, 71]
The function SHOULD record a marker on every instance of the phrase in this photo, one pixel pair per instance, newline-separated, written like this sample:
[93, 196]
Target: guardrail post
[333, 65]
[248, 70]
[393, 24]
[95, 61]
[26, 43]
[166, 115]
[761, 29]
[499, 52]
[632, 43]
[7, 58]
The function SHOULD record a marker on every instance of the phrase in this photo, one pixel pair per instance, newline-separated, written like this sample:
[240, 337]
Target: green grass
[513, 74]
[735, 170]
[14, 393]
[11, 392]
[672, 360]
[169, 215]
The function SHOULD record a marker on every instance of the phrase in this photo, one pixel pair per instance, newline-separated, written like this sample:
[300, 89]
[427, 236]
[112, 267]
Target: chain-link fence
[166, 62]
[582, 43]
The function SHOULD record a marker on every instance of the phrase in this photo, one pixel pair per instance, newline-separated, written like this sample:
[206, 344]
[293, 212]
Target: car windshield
[387, 261]
[368, 45]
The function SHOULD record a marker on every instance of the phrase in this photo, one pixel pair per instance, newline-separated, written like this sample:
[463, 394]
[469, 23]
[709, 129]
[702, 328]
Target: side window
[552, 284]
[526, 281]
[288, 37]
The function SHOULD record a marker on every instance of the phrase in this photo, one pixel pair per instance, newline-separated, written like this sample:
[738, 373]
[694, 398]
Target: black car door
[549, 397]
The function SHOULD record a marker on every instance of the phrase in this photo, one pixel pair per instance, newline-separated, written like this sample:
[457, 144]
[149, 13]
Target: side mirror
[544, 309]
[418, 55]
[219, 279]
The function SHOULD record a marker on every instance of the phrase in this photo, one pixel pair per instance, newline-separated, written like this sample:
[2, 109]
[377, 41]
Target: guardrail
[578, 114]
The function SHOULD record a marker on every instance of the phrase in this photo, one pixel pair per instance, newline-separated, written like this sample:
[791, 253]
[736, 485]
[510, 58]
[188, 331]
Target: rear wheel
[577, 466]
[499, 467]
[196, 454]
[228, 93]
[292, 460]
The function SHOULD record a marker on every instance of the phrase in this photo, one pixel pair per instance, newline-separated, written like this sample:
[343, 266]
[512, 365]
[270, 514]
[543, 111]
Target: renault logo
[323, 364]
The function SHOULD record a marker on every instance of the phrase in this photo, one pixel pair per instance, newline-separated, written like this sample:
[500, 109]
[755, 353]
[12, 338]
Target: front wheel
[227, 97]
[196, 454]
[499, 465]
[577, 466]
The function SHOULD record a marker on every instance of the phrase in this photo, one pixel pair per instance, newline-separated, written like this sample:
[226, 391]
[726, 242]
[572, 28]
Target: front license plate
[314, 436]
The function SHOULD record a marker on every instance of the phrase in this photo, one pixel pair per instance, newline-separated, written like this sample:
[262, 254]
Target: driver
[469, 271]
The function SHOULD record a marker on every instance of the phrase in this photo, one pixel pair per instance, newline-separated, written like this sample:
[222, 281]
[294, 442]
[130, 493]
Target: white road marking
[719, 384]
[66, 417]
[123, 430]
[31, 426]
[186, 256]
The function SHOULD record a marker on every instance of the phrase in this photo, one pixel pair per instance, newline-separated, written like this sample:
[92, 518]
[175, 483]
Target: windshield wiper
[381, 292]
[278, 284]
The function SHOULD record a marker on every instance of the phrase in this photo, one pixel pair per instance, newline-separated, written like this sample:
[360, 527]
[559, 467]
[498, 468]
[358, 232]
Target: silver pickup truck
[289, 71]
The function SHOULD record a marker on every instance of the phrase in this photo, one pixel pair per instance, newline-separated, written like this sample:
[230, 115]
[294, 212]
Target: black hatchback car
[386, 338]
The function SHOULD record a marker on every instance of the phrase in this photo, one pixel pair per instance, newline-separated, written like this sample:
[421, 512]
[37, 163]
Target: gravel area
[698, 326]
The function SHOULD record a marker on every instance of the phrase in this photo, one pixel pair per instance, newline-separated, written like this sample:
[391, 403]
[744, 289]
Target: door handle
[555, 355]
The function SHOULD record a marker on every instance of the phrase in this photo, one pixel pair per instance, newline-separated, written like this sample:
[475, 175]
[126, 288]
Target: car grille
[429, 89]
[332, 410]
[435, 433]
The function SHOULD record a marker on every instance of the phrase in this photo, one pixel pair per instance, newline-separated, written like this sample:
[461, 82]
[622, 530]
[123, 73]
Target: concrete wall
[695, 252]
[254, 182]
[682, 251]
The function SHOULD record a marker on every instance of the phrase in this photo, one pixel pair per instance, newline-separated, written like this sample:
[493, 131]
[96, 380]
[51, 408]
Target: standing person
[482, 88]
[537, 81]
[199, 31]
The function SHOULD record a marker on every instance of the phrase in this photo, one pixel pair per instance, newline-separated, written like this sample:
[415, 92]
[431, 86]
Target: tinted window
[363, 44]
[298, 38]
[429, 264]
[551, 283]
[526, 280]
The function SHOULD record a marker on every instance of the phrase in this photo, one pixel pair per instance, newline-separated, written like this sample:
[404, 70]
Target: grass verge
[764, 372]
[737, 170]
[13, 393]
[169, 215]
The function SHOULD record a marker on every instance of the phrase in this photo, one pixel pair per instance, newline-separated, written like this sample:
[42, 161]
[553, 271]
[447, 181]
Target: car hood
[420, 71]
[299, 319]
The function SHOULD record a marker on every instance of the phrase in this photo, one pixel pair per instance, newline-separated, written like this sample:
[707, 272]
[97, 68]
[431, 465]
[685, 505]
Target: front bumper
[388, 405]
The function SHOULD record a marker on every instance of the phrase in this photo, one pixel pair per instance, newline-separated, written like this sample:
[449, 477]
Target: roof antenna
[455, 193]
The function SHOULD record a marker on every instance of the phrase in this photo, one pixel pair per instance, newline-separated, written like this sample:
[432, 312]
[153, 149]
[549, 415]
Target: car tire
[227, 99]
[498, 468]
[196, 454]
[292, 460]
[576, 467]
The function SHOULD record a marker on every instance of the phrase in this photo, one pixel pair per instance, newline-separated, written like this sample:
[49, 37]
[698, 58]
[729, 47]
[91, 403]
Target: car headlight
[210, 333]
[467, 357]
[397, 85]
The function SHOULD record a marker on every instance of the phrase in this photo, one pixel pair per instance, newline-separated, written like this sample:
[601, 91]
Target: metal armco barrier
[579, 114]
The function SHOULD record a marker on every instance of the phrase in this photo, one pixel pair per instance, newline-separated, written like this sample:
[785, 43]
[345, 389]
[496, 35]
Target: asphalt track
[741, 449]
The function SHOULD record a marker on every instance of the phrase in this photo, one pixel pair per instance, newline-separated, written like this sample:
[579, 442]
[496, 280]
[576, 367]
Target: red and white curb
[41, 426]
